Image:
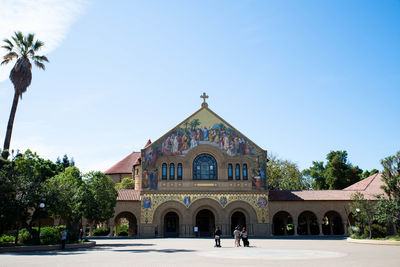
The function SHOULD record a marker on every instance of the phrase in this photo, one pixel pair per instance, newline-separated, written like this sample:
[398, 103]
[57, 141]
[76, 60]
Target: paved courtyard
[201, 252]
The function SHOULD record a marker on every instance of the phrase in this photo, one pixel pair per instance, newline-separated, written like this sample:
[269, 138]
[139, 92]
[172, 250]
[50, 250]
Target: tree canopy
[28, 180]
[337, 173]
[285, 175]
[126, 183]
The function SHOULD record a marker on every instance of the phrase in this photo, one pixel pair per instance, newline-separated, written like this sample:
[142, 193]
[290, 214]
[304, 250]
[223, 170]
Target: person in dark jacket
[244, 236]
[217, 235]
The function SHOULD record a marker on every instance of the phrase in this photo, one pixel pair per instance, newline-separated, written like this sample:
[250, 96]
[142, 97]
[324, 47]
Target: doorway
[171, 224]
[206, 222]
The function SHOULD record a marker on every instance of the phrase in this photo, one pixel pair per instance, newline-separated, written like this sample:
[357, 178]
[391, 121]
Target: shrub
[7, 240]
[123, 230]
[102, 231]
[25, 237]
[378, 231]
[50, 235]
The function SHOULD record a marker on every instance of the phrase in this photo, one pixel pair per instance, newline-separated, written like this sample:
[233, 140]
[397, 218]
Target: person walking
[245, 237]
[63, 239]
[236, 235]
[217, 235]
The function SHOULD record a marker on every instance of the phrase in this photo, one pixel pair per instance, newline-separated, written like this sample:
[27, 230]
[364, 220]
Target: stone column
[345, 228]
[320, 229]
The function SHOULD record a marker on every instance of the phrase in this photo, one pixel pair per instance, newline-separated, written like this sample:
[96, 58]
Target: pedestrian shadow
[111, 245]
[47, 252]
[168, 251]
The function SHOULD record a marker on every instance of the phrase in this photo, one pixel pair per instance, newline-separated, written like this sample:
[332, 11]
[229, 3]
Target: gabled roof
[370, 187]
[371, 184]
[125, 165]
[204, 107]
[128, 195]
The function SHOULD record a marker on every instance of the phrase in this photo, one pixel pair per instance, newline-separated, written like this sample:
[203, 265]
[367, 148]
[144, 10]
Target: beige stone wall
[188, 184]
[119, 176]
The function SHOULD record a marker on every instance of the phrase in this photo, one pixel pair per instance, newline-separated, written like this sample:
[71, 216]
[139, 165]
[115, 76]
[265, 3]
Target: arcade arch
[332, 224]
[282, 223]
[126, 218]
[307, 224]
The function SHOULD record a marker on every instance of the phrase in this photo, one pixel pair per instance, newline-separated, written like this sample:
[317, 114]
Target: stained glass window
[179, 173]
[244, 171]
[171, 171]
[237, 172]
[205, 167]
[164, 171]
[230, 172]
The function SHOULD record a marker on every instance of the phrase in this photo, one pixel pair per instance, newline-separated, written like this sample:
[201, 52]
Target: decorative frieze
[150, 202]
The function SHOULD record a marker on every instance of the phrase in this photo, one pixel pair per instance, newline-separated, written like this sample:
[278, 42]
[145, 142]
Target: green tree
[65, 162]
[391, 176]
[338, 172]
[64, 197]
[7, 194]
[388, 210]
[26, 176]
[285, 175]
[126, 183]
[98, 197]
[316, 174]
[367, 173]
[363, 211]
[23, 49]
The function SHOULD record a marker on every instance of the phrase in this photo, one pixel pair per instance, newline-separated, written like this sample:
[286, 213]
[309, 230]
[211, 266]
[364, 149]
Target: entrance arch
[237, 219]
[308, 224]
[171, 224]
[332, 224]
[205, 220]
[126, 218]
[283, 224]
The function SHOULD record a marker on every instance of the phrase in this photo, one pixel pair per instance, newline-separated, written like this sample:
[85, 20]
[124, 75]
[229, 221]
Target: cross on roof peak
[204, 96]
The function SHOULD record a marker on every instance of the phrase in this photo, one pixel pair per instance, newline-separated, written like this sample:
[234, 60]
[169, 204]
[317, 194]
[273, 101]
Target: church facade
[205, 173]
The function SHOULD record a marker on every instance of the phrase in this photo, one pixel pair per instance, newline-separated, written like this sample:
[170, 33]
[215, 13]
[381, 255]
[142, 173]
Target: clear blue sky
[299, 78]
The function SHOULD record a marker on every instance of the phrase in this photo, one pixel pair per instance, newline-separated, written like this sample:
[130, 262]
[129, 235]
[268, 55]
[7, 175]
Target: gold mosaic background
[253, 199]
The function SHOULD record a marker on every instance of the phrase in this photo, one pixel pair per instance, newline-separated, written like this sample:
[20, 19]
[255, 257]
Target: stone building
[204, 173]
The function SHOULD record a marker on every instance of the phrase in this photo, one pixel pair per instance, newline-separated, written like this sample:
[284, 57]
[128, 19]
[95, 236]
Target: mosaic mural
[150, 202]
[203, 128]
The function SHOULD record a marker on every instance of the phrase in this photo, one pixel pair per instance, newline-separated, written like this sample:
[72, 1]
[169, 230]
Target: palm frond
[9, 48]
[29, 39]
[37, 45]
[19, 38]
[4, 62]
[11, 56]
[41, 58]
[40, 65]
[8, 42]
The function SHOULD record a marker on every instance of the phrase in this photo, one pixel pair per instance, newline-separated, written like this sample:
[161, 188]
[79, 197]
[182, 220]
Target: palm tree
[23, 49]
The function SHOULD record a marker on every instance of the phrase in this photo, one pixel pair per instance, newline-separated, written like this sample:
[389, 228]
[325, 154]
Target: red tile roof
[125, 165]
[128, 195]
[369, 187]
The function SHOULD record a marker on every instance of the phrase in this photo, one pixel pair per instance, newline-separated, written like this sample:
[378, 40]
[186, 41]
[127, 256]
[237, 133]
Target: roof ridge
[376, 174]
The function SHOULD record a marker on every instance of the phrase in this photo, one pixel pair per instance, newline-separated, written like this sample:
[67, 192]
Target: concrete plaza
[201, 252]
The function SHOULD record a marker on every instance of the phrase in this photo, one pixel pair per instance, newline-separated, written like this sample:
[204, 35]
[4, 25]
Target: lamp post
[41, 205]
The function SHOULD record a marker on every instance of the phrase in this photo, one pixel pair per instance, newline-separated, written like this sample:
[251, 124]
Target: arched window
[205, 168]
[244, 171]
[164, 171]
[237, 172]
[171, 171]
[230, 172]
[179, 172]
